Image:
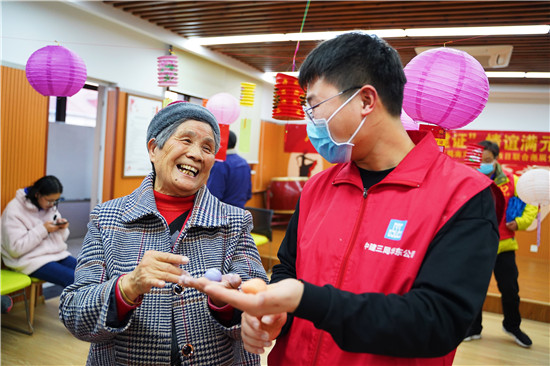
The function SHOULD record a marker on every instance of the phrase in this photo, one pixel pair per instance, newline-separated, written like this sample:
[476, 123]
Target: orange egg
[253, 286]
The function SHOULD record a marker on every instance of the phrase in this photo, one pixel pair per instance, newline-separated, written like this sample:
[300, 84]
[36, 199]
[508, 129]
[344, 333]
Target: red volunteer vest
[372, 244]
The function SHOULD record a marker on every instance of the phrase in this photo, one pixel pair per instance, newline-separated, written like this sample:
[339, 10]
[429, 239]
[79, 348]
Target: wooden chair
[36, 295]
[16, 284]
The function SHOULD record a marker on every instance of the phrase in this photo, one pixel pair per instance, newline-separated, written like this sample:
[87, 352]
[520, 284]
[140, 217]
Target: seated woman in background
[34, 234]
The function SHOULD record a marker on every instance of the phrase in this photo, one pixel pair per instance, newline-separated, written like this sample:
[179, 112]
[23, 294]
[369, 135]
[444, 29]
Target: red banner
[518, 149]
[224, 139]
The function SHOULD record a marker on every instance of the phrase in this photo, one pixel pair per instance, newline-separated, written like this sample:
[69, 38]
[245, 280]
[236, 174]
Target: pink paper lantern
[408, 123]
[446, 87]
[56, 71]
[224, 107]
[167, 70]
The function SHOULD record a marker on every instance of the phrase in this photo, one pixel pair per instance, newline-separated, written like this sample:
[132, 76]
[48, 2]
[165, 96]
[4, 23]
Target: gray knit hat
[180, 112]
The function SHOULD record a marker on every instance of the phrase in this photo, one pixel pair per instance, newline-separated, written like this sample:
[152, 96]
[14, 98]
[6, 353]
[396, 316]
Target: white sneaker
[473, 337]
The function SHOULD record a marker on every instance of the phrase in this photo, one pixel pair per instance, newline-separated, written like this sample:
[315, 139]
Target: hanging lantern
[247, 94]
[167, 70]
[533, 187]
[288, 98]
[408, 123]
[56, 71]
[474, 155]
[224, 107]
[446, 87]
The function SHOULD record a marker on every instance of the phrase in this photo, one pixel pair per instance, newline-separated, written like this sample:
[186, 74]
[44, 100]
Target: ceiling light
[518, 74]
[383, 33]
[270, 76]
[538, 75]
[505, 74]
[478, 31]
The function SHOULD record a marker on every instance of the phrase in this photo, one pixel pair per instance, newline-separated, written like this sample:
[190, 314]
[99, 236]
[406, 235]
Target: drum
[283, 193]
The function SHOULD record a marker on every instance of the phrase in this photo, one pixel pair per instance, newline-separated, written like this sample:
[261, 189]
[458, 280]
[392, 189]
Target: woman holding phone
[34, 234]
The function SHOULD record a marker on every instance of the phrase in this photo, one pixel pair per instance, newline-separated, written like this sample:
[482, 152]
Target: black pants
[506, 275]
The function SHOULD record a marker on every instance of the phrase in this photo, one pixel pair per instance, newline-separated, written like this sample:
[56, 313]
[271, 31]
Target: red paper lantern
[167, 70]
[288, 98]
[56, 71]
[446, 87]
[474, 155]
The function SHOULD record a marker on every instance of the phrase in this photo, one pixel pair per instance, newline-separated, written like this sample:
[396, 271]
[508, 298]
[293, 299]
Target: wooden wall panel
[272, 160]
[24, 114]
[527, 238]
[110, 145]
[122, 186]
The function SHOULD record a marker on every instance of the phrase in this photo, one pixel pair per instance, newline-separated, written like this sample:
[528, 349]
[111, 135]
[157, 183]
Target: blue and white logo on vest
[395, 229]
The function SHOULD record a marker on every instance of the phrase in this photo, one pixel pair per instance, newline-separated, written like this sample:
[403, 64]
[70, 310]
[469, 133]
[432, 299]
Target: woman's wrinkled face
[183, 165]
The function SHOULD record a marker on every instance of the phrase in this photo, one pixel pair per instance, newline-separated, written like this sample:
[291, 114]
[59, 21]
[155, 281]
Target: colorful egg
[254, 286]
[213, 274]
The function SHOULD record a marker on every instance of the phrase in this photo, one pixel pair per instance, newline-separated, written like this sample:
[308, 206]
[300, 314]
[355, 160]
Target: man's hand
[229, 281]
[257, 333]
[281, 297]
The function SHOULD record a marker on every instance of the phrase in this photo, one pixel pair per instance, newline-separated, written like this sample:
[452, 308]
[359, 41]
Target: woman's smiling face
[183, 165]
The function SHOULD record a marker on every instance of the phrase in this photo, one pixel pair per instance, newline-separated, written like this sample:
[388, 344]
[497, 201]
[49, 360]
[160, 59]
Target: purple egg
[213, 274]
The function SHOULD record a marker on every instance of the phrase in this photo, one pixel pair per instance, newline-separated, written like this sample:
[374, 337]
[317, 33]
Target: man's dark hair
[491, 146]
[44, 186]
[232, 140]
[357, 59]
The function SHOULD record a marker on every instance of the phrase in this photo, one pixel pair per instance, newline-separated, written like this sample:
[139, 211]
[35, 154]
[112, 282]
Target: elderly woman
[129, 298]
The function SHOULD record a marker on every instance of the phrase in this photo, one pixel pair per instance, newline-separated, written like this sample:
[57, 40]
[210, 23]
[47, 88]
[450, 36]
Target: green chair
[15, 284]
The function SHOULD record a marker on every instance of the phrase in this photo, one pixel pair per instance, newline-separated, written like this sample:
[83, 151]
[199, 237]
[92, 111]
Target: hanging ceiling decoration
[446, 87]
[56, 71]
[167, 70]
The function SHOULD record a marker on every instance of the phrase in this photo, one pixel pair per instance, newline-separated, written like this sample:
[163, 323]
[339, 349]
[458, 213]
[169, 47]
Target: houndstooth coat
[119, 232]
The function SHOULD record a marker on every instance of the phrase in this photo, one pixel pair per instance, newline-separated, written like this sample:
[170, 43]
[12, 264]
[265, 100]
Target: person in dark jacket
[389, 253]
[230, 180]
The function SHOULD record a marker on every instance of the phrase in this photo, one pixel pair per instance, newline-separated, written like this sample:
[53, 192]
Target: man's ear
[369, 98]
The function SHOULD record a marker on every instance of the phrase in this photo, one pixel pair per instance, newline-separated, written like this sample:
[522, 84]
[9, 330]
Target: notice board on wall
[138, 115]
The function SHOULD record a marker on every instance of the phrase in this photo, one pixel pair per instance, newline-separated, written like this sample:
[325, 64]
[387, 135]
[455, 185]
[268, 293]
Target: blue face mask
[486, 168]
[320, 137]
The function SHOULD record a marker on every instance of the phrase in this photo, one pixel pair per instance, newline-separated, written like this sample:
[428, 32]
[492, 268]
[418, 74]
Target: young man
[519, 216]
[389, 253]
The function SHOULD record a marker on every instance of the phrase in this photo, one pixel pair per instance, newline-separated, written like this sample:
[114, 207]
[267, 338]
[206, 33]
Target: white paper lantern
[533, 187]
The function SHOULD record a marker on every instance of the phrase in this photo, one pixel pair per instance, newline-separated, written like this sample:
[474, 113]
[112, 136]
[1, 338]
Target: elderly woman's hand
[154, 270]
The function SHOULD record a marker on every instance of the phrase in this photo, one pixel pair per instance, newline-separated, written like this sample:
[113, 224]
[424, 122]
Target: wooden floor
[52, 344]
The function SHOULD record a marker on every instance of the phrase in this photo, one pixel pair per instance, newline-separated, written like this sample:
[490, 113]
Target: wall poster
[139, 114]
